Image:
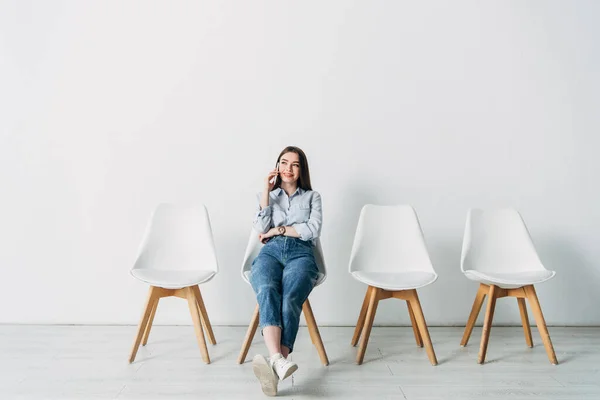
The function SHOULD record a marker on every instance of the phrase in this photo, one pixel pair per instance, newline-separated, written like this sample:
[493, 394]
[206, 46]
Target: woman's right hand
[269, 181]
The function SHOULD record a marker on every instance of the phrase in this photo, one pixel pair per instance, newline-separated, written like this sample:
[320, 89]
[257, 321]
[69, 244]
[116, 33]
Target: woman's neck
[289, 188]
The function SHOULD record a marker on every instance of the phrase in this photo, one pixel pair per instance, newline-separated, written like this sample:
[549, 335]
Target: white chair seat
[498, 250]
[510, 280]
[396, 280]
[172, 279]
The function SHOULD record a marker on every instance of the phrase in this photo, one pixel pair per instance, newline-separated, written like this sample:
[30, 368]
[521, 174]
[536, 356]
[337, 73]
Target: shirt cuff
[304, 231]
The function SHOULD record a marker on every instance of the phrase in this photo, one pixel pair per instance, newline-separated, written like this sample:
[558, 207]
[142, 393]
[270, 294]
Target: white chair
[252, 251]
[389, 255]
[498, 253]
[176, 255]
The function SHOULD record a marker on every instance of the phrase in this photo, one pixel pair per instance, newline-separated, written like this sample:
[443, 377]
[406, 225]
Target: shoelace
[280, 362]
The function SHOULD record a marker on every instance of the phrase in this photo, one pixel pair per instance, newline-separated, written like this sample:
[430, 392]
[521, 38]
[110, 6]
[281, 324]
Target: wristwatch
[281, 230]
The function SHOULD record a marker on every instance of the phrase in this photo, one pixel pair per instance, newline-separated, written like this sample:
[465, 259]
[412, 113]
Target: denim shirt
[302, 210]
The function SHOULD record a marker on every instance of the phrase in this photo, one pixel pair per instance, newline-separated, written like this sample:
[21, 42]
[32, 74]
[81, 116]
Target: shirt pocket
[299, 213]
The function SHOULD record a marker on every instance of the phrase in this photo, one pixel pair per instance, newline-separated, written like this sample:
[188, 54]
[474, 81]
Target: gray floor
[90, 362]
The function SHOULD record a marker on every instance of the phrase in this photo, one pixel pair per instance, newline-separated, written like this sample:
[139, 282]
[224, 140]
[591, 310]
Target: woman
[284, 273]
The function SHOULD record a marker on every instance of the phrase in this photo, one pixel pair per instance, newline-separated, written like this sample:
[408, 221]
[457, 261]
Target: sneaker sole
[266, 376]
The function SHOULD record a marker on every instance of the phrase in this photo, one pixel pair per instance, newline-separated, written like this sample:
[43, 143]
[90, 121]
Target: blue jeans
[282, 276]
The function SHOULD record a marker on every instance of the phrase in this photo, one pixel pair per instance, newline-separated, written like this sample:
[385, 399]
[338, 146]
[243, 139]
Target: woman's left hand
[264, 237]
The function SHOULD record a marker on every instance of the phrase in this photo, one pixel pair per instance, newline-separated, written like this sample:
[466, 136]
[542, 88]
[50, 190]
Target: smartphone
[274, 179]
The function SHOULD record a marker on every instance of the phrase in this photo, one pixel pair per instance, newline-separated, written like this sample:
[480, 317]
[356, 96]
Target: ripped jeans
[282, 276]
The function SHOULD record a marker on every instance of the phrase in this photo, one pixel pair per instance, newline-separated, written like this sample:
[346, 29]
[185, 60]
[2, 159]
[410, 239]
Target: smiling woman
[288, 221]
[288, 205]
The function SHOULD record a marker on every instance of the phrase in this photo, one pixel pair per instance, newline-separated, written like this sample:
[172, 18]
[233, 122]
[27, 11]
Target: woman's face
[289, 167]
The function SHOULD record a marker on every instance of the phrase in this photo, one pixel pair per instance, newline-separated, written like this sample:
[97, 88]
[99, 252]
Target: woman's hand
[264, 198]
[265, 237]
[268, 184]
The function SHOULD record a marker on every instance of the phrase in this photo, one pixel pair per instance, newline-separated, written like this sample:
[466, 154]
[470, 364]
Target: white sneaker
[265, 374]
[283, 367]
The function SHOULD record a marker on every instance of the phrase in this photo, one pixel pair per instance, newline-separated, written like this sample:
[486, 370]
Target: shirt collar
[278, 191]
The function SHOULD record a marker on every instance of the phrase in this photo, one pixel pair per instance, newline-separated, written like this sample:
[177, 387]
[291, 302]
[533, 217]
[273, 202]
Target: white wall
[108, 108]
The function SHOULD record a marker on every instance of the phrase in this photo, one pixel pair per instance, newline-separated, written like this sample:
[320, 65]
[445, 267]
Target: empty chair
[389, 255]
[177, 254]
[252, 251]
[498, 253]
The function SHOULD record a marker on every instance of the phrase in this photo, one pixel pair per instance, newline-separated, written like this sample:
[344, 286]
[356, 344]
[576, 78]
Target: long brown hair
[304, 179]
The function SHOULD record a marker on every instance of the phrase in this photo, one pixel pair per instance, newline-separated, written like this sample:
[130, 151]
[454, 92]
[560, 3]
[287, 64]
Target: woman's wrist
[281, 230]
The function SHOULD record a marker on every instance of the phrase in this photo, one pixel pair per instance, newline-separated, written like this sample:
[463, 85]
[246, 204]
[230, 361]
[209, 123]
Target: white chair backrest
[178, 238]
[389, 239]
[498, 241]
[254, 246]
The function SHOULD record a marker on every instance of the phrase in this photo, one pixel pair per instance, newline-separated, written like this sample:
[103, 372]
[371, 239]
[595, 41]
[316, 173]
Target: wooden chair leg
[195, 311]
[249, 336]
[204, 315]
[372, 309]
[540, 322]
[150, 321]
[415, 304]
[487, 324]
[311, 333]
[152, 297]
[479, 298]
[525, 321]
[312, 327]
[361, 318]
[413, 322]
